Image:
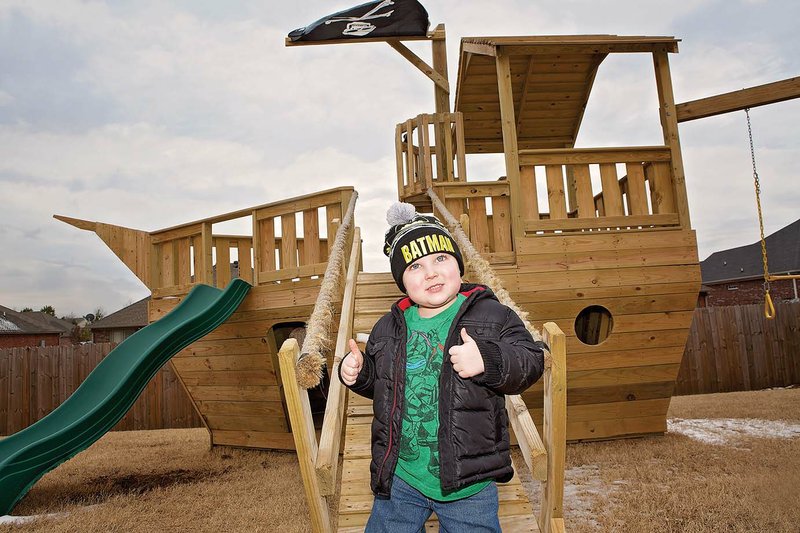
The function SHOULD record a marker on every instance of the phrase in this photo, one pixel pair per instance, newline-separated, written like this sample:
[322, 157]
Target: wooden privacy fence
[36, 380]
[735, 348]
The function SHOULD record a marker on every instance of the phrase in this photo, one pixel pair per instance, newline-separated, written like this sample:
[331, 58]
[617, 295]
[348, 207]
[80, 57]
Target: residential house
[121, 324]
[32, 329]
[736, 276]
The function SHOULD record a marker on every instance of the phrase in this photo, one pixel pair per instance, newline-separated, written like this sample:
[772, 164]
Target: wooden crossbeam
[768, 93]
[426, 69]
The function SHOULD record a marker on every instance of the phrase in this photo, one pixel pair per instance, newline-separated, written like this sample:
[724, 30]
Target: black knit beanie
[411, 236]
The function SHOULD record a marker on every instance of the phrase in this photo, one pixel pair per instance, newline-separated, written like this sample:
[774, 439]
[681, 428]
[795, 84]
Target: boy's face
[432, 282]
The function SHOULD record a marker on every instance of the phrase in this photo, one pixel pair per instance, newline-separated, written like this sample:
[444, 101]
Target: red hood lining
[406, 302]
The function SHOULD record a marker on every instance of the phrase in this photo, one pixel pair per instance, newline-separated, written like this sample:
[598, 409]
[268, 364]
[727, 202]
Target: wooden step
[375, 294]
[355, 504]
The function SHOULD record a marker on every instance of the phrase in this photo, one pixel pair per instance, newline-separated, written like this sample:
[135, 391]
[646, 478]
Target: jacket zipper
[391, 417]
[395, 382]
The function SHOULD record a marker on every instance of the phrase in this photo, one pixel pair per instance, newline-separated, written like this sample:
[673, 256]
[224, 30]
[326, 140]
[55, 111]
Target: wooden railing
[319, 462]
[278, 250]
[643, 198]
[490, 233]
[429, 151]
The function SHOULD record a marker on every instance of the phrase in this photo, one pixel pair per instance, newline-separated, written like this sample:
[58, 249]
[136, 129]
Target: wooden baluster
[288, 241]
[572, 192]
[411, 168]
[184, 261]
[223, 246]
[267, 245]
[661, 190]
[637, 194]
[207, 257]
[599, 206]
[168, 264]
[447, 153]
[245, 263]
[311, 236]
[479, 226]
[197, 259]
[426, 179]
[333, 212]
[583, 191]
[626, 197]
[398, 153]
[530, 200]
[612, 197]
[501, 224]
[460, 150]
[555, 192]
[454, 205]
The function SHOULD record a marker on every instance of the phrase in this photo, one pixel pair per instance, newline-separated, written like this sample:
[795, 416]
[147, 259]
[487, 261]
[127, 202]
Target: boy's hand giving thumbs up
[351, 364]
[466, 358]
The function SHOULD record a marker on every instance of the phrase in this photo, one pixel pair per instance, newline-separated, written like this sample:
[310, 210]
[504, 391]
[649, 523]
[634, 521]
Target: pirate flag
[381, 18]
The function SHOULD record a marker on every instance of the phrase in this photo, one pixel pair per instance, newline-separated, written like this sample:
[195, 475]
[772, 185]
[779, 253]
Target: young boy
[437, 367]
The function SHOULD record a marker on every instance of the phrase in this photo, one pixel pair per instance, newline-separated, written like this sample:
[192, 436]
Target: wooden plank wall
[231, 373]
[648, 281]
[734, 348]
[36, 380]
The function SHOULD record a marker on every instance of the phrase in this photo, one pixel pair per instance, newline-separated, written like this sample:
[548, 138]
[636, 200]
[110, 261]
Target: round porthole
[594, 324]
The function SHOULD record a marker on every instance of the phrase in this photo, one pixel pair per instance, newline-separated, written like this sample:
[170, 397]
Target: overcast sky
[148, 114]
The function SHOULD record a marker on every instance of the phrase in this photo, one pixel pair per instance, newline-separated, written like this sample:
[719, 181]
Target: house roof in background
[16, 323]
[744, 262]
[49, 321]
[133, 316]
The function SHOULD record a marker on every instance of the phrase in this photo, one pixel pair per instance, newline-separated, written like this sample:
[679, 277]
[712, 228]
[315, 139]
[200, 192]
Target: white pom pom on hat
[400, 213]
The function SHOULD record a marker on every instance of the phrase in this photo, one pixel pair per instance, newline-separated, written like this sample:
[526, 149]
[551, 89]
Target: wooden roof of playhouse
[551, 77]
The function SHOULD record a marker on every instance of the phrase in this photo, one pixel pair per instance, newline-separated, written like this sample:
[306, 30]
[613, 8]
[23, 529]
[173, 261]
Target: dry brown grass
[169, 480]
[674, 483]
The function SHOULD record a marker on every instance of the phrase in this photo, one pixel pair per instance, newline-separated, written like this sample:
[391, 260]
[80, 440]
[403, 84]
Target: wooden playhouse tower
[598, 240]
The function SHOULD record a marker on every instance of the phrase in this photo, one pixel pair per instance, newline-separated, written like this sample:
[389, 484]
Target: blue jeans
[407, 510]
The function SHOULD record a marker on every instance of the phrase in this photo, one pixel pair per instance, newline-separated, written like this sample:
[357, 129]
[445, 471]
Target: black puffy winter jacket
[473, 422]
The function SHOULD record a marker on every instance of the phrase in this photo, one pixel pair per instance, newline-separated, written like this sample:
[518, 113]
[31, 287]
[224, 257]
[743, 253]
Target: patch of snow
[19, 520]
[722, 431]
[583, 486]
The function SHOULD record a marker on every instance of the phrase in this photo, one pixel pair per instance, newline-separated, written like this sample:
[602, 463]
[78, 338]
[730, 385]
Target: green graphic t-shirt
[418, 464]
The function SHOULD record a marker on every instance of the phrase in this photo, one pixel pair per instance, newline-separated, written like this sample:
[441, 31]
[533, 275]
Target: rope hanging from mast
[318, 330]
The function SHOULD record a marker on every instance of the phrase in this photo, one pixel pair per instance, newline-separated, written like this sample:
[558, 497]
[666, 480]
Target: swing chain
[769, 308]
[758, 202]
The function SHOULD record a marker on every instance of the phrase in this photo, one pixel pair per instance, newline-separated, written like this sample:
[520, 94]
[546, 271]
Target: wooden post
[441, 100]
[305, 438]
[555, 425]
[330, 441]
[510, 148]
[669, 126]
[207, 260]
[439, 47]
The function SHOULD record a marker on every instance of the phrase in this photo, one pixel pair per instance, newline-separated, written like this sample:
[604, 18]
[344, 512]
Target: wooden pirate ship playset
[595, 245]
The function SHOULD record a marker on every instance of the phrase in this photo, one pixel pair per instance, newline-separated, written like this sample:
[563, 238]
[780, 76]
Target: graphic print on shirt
[423, 366]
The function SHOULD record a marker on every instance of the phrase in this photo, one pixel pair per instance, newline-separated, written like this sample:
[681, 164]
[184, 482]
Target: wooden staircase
[374, 295]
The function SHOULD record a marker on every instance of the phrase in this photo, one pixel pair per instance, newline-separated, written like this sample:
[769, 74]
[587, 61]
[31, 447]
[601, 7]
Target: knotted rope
[318, 339]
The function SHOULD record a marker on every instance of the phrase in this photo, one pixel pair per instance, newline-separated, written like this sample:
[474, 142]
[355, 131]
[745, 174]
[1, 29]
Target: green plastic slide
[110, 390]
